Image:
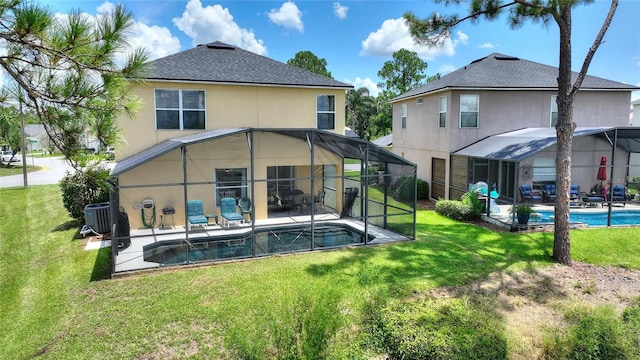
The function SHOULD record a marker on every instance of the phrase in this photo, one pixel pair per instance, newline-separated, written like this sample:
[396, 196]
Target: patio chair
[245, 207]
[229, 212]
[574, 191]
[319, 200]
[298, 203]
[549, 192]
[619, 194]
[195, 215]
[529, 195]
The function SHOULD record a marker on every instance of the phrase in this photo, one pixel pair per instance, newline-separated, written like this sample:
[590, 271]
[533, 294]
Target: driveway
[53, 170]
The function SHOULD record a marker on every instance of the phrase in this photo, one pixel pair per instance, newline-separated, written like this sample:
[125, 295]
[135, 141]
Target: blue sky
[357, 37]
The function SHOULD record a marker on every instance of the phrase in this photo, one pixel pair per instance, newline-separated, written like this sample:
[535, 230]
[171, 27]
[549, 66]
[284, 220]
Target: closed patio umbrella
[602, 171]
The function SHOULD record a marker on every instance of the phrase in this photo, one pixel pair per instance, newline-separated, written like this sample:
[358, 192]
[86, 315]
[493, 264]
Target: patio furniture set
[228, 212]
[597, 196]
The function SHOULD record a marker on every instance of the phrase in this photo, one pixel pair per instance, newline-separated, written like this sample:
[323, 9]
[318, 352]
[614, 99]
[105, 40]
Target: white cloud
[368, 83]
[157, 41]
[288, 16]
[340, 11]
[488, 45]
[214, 23]
[394, 35]
[445, 69]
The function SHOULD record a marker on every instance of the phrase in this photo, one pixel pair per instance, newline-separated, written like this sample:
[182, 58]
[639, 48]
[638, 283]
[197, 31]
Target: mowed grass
[57, 304]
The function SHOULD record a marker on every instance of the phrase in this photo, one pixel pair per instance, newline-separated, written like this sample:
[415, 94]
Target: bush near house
[83, 188]
[469, 208]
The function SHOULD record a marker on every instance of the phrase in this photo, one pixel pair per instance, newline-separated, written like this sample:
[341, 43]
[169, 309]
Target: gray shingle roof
[218, 62]
[498, 71]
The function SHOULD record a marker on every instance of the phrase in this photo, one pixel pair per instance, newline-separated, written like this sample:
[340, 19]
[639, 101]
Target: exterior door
[438, 177]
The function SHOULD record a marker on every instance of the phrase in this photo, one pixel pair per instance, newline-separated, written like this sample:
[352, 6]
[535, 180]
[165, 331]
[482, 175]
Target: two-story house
[220, 122]
[494, 121]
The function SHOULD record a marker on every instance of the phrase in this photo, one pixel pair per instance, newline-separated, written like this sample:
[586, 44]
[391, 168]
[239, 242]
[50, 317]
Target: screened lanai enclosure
[603, 161]
[292, 190]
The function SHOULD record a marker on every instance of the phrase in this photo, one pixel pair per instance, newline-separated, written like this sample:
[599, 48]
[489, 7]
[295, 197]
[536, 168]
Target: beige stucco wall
[203, 159]
[230, 106]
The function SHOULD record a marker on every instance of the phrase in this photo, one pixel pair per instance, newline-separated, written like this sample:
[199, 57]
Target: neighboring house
[634, 160]
[218, 121]
[384, 141]
[37, 138]
[494, 121]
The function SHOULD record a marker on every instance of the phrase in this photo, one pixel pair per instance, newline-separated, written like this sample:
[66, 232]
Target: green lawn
[57, 305]
[16, 170]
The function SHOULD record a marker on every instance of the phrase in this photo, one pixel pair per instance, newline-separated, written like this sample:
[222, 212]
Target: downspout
[415, 197]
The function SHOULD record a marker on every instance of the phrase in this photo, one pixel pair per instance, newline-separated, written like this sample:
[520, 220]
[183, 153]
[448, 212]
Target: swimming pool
[599, 218]
[274, 240]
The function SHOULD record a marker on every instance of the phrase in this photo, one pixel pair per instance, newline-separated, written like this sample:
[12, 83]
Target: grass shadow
[102, 265]
[68, 225]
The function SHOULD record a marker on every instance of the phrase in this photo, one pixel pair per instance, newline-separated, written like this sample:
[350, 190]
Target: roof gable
[498, 71]
[218, 62]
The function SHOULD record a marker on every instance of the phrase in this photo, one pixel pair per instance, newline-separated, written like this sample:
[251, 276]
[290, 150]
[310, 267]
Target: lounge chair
[529, 195]
[549, 192]
[245, 207]
[195, 214]
[574, 191]
[229, 212]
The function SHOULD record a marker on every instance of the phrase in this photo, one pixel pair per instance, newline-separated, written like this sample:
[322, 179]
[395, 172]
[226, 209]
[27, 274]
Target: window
[469, 111]
[544, 169]
[420, 101]
[554, 111]
[404, 116]
[180, 109]
[280, 178]
[231, 183]
[326, 112]
[442, 119]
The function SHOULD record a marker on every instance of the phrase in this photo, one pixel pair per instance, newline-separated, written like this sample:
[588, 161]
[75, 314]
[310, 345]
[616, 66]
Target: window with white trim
[544, 169]
[326, 112]
[442, 115]
[469, 109]
[404, 116]
[180, 109]
[554, 110]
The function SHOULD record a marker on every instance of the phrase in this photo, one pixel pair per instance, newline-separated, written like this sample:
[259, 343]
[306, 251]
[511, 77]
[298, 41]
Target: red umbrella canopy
[602, 171]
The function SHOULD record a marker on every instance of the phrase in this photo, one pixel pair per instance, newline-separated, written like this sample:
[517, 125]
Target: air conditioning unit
[98, 217]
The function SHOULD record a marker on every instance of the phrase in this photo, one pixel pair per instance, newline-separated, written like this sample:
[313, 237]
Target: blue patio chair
[229, 212]
[529, 195]
[574, 191]
[549, 192]
[619, 194]
[195, 214]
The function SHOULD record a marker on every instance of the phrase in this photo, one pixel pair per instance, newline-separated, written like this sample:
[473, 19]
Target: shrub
[471, 200]
[405, 187]
[422, 189]
[441, 329]
[82, 188]
[470, 208]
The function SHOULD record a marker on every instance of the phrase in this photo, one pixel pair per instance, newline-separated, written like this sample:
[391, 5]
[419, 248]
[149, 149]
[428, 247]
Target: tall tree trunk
[564, 133]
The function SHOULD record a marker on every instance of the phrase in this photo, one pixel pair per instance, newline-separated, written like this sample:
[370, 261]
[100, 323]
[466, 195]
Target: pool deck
[131, 259]
[504, 218]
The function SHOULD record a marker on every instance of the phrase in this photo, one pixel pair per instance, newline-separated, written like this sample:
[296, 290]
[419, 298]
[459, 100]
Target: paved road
[54, 169]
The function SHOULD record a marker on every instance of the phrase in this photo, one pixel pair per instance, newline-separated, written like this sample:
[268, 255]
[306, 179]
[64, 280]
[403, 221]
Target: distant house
[494, 119]
[221, 122]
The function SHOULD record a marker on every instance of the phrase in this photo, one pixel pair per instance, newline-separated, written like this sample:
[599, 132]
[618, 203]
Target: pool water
[618, 217]
[267, 241]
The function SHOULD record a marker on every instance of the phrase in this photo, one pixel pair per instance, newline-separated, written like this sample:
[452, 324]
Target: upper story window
[404, 116]
[554, 110]
[326, 112]
[442, 118]
[419, 101]
[469, 105]
[180, 109]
